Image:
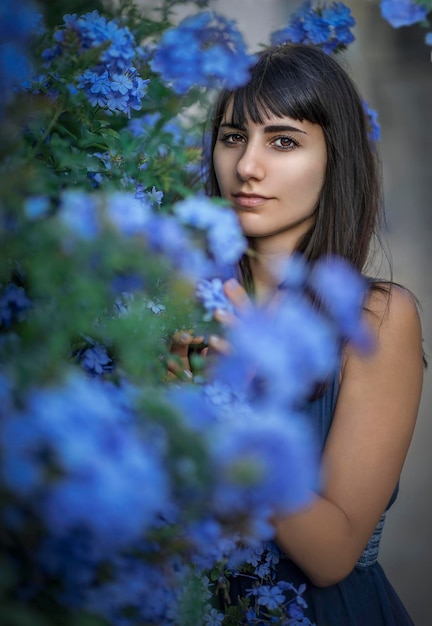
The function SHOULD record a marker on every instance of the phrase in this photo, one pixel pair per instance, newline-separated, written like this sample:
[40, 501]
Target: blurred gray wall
[393, 69]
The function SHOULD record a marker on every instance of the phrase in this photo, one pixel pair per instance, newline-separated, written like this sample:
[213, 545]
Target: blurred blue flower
[265, 463]
[151, 198]
[139, 126]
[19, 24]
[212, 296]
[279, 356]
[403, 12]
[20, 445]
[78, 210]
[428, 39]
[166, 235]
[129, 214]
[293, 273]
[342, 291]
[213, 618]
[225, 239]
[205, 50]
[14, 304]
[327, 27]
[155, 307]
[73, 559]
[149, 592]
[373, 123]
[36, 207]
[95, 360]
[84, 430]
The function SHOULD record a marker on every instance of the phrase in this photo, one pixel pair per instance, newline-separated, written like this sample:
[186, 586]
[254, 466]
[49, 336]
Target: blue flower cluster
[113, 84]
[18, 26]
[296, 347]
[83, 428]
[74, 453]
[211, 295]
[204, 50]
[95, 360]
[220, 240]
[225, 239]
[327, 27]
[403, 12]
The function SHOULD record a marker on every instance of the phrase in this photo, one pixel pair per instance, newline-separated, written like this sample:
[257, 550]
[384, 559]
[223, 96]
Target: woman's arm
[367, 444]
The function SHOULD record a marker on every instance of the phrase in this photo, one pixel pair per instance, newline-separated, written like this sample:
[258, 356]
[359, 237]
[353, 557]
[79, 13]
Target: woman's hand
[178, 363]
[241, 303]
[179, 366]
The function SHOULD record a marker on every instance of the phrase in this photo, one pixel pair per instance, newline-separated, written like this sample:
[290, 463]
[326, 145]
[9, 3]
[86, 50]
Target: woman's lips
[249, 200]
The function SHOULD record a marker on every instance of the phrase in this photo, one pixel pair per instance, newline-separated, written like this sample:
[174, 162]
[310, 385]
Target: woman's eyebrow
[280, 128]
[273, 128]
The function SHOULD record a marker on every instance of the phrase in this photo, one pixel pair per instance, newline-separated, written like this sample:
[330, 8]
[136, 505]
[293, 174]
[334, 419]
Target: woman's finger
[237, 295]
[216, 343]
[182, 339]
[226, 318]
[178, 370]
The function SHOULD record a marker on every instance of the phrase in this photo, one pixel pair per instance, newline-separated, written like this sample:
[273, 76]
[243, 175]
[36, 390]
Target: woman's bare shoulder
[390, 307]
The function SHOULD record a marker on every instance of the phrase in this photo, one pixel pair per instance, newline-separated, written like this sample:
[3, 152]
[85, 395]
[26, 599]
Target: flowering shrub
[126, 498]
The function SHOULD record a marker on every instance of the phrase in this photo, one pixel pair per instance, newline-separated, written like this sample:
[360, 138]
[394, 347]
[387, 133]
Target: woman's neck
[266, 270]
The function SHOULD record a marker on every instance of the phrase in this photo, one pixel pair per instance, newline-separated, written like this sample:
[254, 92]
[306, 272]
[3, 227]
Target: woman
[290, 151]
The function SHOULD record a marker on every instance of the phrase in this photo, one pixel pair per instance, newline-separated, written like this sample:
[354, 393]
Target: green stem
[52, 123]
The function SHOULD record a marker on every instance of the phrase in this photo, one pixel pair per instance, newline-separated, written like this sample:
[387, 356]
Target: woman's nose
[250, 165]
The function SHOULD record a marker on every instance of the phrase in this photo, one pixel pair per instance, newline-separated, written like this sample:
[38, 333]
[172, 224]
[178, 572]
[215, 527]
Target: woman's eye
[286, 143]
[232, 139]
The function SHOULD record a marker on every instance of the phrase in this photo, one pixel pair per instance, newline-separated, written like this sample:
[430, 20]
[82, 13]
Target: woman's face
[272, 173]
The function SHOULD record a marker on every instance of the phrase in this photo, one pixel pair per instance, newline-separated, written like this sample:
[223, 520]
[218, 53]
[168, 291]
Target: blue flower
[20, 472]
[225, 239]
[327, 27]
[78, 210]
[37, 206]
[428, 39]
[374, 132]
[212, 296]
[14, 304]
[19, 24]
[264, 463]
[127, 213]
[268, 596]
[279, 356]
[206, 50]
[143, 125]
[213, 618]
[151, 198]
[403, 12]
[342, 290]
[95, 360]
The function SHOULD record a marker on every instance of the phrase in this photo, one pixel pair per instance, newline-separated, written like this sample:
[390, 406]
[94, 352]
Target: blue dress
[365, 597]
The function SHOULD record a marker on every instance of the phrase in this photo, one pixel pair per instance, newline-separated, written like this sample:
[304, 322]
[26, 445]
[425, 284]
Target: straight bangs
[278, 87]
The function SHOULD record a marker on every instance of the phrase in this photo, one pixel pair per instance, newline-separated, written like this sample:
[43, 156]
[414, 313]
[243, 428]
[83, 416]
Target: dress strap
[369, 555]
